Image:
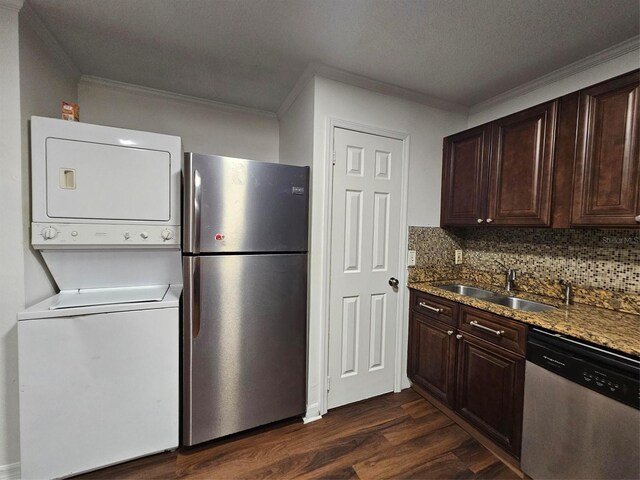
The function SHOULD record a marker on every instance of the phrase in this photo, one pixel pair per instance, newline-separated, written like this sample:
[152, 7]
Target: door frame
[401, 322]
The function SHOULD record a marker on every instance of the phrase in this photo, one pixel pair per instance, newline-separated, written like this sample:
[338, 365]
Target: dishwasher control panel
[583, 368]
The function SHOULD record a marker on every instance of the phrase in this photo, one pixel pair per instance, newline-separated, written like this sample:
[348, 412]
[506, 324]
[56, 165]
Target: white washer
[99, 361]
[98, 384]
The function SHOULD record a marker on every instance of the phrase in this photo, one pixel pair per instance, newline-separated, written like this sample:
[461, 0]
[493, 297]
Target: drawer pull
[434, 309]
[475, 324]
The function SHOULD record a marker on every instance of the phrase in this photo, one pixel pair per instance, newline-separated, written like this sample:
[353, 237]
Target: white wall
[425, 127]
[296, 129]
[505, 104]
[204, 128]
[11, 259]
[47, 77]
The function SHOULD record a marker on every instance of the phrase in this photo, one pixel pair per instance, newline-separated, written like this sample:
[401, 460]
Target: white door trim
[402, 323]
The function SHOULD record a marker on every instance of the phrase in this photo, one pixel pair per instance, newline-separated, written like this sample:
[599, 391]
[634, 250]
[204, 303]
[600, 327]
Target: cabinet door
[464, 177]
[520, 177]
[433, 357]
[607, 176]
[490, 388]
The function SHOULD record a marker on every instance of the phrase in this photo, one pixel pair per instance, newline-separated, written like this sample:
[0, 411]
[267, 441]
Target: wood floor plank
[497, 470]
[414, 428]
[418, 408]
[405, 457]
[475, 456]
[446, 466]
[392, 436]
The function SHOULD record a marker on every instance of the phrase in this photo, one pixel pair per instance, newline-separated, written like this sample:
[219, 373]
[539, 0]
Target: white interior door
[367, 187]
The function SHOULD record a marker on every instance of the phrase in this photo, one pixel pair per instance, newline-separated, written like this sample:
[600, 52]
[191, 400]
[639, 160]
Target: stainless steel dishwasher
[581, 417]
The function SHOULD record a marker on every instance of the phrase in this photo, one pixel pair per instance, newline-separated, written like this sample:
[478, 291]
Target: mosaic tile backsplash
[604, 263]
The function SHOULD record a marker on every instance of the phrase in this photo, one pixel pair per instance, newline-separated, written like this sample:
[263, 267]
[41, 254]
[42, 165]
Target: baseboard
[312, 414]
[10, 471]
[306, 420]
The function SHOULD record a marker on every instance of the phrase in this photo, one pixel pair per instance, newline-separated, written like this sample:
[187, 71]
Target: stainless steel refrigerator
[245, 229]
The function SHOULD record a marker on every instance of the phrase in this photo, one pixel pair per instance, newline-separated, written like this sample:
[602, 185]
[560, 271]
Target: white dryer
[99, 361]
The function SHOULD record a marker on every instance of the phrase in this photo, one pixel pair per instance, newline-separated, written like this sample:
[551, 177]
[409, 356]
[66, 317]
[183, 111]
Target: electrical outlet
[411, 258]
[458, 257]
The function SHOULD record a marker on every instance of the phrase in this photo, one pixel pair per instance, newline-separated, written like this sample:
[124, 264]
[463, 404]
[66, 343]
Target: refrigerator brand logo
[297, 190]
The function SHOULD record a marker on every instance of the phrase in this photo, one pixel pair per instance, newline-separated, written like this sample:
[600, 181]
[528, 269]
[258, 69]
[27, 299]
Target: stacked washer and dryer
[99, 361]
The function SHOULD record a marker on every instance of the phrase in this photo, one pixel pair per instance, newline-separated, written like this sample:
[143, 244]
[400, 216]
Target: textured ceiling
[251, 52]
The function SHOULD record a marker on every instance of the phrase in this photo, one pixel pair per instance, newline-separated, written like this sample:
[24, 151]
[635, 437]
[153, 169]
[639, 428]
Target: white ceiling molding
[177, 97]
[13, 5]
[34, 21]
[366, 83]
[302, 81]
[628, 46]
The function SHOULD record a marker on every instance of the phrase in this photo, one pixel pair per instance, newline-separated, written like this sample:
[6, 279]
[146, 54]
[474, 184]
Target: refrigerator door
[244, 337]
[235, 205]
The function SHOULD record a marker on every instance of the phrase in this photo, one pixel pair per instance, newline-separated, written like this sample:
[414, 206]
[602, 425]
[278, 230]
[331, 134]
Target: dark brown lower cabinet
[489, 390]
[434, 350]
[482, 379]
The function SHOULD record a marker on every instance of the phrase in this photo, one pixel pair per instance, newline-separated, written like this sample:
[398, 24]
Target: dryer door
[88, 180]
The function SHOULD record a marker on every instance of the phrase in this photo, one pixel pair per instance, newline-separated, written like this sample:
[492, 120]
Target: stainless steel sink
[468, 291]
[520, 304]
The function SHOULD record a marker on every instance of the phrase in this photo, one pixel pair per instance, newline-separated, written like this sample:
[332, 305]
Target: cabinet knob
[458, 336]
[479, 220]
[638, 218]
[449, 332]
[489, 220]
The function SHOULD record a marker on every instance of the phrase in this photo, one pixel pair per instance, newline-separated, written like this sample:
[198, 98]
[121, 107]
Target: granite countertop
[616, 330]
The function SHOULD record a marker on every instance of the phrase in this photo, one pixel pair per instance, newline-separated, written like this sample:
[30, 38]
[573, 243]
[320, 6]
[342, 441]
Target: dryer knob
[49, 233]
[166, 234]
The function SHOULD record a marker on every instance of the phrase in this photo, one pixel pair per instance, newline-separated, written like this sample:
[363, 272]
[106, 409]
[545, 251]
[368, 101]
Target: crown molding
[13, 5]
[34, 21]
[176, 97]
[297, 89]
[342, 76]
[628, 46]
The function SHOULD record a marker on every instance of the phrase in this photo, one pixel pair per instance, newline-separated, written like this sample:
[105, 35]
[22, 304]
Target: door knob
[394, 282]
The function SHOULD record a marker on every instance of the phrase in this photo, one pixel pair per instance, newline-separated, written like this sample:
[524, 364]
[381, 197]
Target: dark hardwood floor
[397, 435]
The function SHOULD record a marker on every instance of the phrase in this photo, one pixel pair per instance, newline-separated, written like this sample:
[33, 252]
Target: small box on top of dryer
[70, 111]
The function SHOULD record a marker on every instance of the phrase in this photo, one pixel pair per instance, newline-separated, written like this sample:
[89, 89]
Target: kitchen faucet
[567, 291]
[509, 276]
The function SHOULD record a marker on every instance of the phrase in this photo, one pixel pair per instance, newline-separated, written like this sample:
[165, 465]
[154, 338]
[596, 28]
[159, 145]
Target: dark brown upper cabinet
[521, 167]
[466, 156]
[606, 186]
[501, 173]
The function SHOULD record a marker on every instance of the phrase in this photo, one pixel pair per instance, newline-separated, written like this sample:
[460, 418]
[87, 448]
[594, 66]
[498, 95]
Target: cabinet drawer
[435, 307]
[498, 330]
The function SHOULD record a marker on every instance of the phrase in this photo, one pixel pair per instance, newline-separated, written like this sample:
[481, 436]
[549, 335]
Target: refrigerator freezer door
[244, 342]
[235, 205]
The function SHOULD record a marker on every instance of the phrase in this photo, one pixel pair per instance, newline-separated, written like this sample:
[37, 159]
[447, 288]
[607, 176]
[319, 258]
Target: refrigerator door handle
[192, 299]
[196, 203]
[195, 305]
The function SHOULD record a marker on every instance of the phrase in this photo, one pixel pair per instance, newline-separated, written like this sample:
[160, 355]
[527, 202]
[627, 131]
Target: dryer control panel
[63, 235]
